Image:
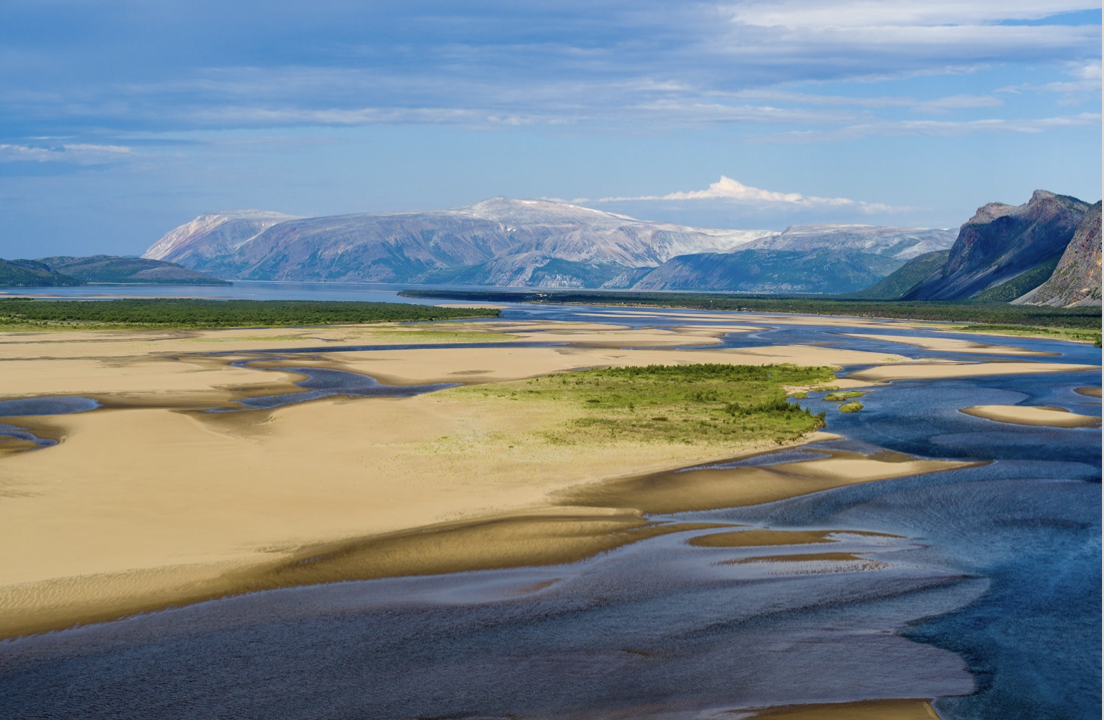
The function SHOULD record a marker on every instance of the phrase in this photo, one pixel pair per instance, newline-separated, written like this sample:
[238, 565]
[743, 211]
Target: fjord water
[989, 598]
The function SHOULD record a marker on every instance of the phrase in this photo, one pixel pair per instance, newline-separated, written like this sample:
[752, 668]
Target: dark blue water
[989, 600]
[27, 407]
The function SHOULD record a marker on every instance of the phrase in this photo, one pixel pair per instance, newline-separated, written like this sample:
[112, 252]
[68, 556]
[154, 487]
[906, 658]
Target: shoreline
[149, 502]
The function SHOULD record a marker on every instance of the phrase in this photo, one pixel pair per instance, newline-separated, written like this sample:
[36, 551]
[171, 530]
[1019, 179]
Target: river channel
[978, 588]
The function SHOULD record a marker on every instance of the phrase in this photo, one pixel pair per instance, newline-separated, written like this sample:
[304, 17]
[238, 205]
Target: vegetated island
[27, 314]
[1080, 324]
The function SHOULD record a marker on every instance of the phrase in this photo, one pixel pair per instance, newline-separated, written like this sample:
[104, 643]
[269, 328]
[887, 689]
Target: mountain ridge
[498, 241]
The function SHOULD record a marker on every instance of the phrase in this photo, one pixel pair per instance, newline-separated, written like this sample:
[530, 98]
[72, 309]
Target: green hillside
[28, 273]
[1022, 283]
[114, 270]
[905, 278]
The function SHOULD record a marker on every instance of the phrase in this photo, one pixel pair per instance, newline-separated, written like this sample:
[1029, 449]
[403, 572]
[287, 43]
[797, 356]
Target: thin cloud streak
[732, 191]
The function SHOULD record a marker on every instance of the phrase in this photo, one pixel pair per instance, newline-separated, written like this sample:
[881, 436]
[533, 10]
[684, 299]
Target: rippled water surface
[987, 595]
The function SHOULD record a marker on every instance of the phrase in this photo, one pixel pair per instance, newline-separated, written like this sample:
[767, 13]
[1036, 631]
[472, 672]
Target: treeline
[996, 313]
[188, 313]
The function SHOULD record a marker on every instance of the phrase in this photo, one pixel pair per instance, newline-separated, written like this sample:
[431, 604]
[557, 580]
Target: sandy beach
[151, 501]
[1026, 415]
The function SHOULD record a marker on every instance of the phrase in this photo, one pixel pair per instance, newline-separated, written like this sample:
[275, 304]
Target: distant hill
[1003, 242]
[895, 242]
[1076, 279]
[818, 271]
[512, 243]
[28, 273]
[109, 269]
[906, 278]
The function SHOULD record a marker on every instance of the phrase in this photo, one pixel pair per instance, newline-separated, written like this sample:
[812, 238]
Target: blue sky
[121, 119]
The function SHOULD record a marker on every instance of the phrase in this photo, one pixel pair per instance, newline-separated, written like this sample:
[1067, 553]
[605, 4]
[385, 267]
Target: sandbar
[863, 710]
[1032, 415]
[1088, 391]
[936, 371]
[955, 345]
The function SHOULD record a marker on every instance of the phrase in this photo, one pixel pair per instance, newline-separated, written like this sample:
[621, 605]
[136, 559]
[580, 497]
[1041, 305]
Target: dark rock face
[1076, 280]
[1001, 242]
[771, 271]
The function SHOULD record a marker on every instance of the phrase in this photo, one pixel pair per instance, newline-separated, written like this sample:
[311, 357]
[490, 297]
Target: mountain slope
[905, 278]
[1001, 242]
[501, 242]
[823, 270]
[127, 271]
[28, 273]
[521, 235]
[202, 243]
[1076, 279]
[895, 242]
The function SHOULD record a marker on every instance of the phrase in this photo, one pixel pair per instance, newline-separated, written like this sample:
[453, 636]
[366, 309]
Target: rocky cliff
[1076, 279]
[1001, 242]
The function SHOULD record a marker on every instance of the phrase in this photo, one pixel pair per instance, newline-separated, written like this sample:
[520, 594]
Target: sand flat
[1032, 415]
[935, 371]
[920, 709]
[953, 345]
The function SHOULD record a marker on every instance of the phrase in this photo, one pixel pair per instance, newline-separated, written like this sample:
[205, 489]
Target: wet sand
[953, 345]
[866, 710]
[1088, 391]
[918, 371]
[1028, 415]
[148, 503]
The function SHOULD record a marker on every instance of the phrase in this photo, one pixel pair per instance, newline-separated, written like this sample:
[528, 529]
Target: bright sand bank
[865, 710]
[954, 345]
[150, 505]
[918, 371]
[1028, 415]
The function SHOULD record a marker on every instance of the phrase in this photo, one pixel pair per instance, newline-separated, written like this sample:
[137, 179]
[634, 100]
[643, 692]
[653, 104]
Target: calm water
[991, 601]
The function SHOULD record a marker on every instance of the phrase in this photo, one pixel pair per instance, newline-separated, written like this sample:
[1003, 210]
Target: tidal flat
[551, 476]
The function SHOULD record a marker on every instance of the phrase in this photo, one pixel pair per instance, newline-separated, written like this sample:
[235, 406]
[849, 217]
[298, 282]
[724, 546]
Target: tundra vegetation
[851, 407]
[23, 314]
[846, 395]
[677, 404]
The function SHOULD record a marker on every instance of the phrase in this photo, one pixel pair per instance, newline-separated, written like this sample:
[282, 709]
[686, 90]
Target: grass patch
[851, 407]
[675, 404]
[841, 396]
[19, 314]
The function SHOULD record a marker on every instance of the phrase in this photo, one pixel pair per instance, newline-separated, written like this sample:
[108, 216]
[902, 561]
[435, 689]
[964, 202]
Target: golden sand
[951, 370]
[146, 503]
[1032, 415]
[864, 710]
[954, 345]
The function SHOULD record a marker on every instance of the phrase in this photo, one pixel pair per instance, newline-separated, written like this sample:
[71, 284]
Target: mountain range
[540, 243]
[65, 271]
[1044, 252]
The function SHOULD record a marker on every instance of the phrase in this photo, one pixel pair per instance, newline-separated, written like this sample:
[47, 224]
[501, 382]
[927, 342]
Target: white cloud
[79, 153]
[877, 13]
[732, 191]
[935, 128]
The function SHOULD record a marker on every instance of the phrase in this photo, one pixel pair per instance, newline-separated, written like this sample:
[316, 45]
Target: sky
[121, 119]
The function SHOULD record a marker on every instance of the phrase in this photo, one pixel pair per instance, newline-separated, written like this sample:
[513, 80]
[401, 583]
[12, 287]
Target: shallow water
[989, 599]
